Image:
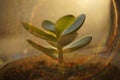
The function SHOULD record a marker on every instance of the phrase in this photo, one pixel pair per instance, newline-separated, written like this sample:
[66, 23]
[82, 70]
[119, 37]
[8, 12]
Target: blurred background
[13, 36]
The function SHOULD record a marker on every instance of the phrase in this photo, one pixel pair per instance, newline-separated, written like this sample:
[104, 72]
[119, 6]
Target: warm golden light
[97, 22]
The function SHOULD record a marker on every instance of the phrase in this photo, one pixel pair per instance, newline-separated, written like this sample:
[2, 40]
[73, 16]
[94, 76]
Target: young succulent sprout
[60, 36]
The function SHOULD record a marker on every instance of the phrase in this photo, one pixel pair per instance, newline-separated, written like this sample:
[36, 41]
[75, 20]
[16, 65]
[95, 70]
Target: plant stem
[60, 57]
[61, 64]
[60, 53]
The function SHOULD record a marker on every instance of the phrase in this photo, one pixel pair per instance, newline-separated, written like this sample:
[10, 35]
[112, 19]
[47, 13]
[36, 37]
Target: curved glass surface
[101, 21]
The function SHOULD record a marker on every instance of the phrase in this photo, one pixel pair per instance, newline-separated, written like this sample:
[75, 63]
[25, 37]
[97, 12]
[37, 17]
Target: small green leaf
[63, 23]
[49, 26]
[78, 44]
[75, 26]
[52, 43]
[49, 51]
[66, 39]
[39, 33]
[1, 62]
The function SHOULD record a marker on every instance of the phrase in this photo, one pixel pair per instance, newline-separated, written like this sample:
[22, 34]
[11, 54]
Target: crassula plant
[60, 36]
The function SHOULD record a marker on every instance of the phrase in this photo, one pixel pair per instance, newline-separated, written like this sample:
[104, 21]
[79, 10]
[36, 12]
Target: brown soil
[34, 68]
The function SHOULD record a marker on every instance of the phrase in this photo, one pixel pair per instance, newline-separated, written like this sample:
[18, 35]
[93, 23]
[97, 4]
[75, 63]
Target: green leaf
[49, 26]
[63, 23]
[52, 43]
[78, 44]
[66, 39]
[75, 26]
[46, 50]
[39, 33]
[1, 62]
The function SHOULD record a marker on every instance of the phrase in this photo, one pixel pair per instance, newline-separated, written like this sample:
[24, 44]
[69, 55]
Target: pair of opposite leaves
[60, 34]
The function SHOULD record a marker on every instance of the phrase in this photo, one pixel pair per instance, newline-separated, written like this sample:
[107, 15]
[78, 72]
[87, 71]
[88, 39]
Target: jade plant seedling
[60, 36]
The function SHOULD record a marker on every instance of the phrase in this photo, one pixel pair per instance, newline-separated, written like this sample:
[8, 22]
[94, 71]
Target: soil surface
[34, 68]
